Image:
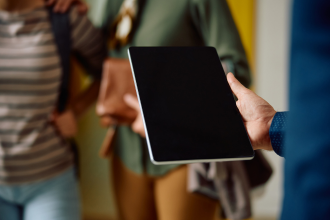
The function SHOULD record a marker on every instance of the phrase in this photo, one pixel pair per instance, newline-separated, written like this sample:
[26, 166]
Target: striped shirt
[30, 72]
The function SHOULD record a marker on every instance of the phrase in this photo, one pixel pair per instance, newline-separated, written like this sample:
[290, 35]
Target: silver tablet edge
[144, 123]
[202, 161]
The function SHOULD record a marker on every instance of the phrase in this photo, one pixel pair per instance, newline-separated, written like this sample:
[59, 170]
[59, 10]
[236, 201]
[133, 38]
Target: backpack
[60, 23]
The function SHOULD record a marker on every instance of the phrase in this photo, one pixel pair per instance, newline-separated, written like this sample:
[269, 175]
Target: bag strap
[61, 28]
[60, 23]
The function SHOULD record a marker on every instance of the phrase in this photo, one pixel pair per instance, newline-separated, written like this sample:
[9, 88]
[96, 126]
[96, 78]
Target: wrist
[270, 120]
[269, 124]
[265, 142]
[277, 132]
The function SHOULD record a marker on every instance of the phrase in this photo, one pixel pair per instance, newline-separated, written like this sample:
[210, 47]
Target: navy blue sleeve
[277, 132]
[307, 142]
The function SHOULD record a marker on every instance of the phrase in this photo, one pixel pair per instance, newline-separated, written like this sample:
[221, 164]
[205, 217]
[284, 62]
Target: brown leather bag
[117, 80]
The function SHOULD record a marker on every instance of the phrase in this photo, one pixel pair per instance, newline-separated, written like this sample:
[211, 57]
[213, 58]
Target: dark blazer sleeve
[277, 132]
[307, 153]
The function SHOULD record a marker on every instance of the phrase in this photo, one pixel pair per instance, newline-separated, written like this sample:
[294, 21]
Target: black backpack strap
[61, 28]
[60, 23]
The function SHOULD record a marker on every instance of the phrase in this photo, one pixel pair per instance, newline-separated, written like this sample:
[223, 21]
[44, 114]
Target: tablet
[188, 109]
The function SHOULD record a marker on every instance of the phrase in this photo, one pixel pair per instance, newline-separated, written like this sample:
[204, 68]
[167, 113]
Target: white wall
[272, 54]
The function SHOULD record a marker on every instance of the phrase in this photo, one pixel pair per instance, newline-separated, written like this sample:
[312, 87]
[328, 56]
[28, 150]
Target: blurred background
[264, 29]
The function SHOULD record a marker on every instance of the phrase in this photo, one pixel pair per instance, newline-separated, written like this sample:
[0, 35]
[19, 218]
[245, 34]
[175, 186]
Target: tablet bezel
[174, 161]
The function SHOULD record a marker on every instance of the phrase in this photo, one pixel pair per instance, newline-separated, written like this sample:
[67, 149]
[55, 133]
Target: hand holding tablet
[137, 125]
[257, 114]
[188, 109]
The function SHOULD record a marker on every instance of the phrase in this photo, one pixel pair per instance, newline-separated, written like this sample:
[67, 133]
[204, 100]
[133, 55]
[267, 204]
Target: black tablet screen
[188, 107]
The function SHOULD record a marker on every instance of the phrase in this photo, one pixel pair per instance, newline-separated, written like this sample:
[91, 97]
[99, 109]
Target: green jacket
[177, 23]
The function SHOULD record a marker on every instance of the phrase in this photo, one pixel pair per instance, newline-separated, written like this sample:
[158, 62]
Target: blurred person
[303, 136]
[37, 179]
[143, 190]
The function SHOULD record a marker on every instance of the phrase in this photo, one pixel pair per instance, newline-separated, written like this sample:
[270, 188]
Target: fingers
[59, 5]
[237, 88]
[64, 5]
[138, 127]
[132, 102]
[50, 2]
[106, 121]
[66, 124]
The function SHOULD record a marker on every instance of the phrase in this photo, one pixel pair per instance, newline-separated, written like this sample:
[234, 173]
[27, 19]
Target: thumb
[132, 102]
[236, 87]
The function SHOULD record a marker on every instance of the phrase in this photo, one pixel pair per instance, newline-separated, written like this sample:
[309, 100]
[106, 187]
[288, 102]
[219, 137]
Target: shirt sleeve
[88, 44]
[215, 24]
[277, 132]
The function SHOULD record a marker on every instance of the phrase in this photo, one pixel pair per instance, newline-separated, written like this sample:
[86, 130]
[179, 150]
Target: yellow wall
[243, 12]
